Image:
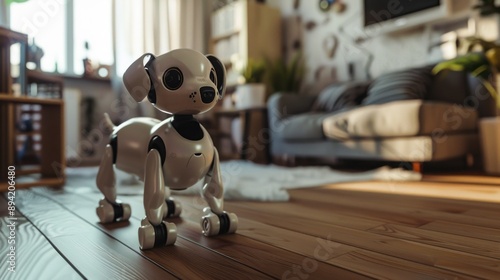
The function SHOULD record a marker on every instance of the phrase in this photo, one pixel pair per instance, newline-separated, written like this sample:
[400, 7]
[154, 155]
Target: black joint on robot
[156, 143]
[170, 207]
[160, 235]
[152, 91]
[114, 146]
[118, 210]
[188, 127]
[224, 223]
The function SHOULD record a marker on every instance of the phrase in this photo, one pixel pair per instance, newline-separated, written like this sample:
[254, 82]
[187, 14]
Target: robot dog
[171, 154]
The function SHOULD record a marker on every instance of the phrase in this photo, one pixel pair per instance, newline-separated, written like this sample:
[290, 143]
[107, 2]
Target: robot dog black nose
[207, 94]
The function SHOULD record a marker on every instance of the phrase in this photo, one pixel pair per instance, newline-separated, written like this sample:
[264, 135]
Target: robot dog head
[182, 81]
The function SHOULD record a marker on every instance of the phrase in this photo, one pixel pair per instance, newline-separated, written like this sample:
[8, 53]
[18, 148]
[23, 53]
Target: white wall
[391, 52]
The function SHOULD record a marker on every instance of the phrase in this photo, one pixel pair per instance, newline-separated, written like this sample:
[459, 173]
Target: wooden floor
[446, 227]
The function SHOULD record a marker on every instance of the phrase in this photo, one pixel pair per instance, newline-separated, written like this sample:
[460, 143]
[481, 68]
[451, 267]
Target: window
[92, 24]
[43, 22]
[61, 28]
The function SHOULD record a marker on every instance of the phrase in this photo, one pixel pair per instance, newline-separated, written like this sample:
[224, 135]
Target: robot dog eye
[213, 76]
[173, 78]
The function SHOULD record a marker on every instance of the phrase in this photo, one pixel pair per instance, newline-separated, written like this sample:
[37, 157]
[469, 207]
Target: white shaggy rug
[244, 180]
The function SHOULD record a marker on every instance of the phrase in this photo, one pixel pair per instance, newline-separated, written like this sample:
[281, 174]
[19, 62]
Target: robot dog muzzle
[207, 94]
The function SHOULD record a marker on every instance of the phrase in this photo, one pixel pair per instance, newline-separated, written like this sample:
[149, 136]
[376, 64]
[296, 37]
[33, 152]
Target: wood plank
[462, 178]
[415, 201]
[35, 256]
[464, 230]
[204, 263]
[280, 210]
[381, 266]
[90, 251]
[421, 253]
[376, 209]
[472, 195]
[481, 213]
[459, 243]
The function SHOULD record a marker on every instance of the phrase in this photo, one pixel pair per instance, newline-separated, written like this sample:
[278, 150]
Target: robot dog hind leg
[109, 209]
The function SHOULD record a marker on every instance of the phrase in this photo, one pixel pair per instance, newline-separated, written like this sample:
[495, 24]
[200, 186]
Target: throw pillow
[340, 96]
[403, 85]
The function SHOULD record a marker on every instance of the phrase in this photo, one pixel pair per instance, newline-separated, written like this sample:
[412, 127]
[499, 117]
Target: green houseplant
[485, 65]
[482, 60]
[286, 77]
[254, 71]
[252, 91]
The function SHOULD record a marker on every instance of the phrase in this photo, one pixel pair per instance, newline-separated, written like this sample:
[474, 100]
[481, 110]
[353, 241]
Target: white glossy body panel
[132, 136]
[187, 161]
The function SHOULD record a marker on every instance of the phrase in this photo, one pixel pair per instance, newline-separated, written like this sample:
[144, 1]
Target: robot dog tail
[107, 123]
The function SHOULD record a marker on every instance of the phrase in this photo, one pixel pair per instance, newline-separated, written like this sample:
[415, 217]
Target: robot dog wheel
[154, 236]
[174, 208]
[213, 224]
[113, 212]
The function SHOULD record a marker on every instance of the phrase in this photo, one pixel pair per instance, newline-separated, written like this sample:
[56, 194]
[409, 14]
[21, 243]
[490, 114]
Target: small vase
[250, 95]
[489, 129]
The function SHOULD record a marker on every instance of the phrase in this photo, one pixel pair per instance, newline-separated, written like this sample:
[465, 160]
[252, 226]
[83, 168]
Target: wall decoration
[293, 36]
[310, 25]
[336, 5]
[296, 4]
[330, 45]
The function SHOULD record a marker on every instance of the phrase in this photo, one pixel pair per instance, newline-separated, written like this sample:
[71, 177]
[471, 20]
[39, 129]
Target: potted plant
[286, 77]
[252, 92]
[485, 65]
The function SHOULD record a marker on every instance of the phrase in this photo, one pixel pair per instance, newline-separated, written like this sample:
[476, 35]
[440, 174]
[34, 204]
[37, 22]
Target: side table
[255, 140]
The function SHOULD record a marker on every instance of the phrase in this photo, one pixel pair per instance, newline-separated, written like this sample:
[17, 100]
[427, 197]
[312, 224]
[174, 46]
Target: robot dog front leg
[154, 232]
[215, 220]
[109, 209]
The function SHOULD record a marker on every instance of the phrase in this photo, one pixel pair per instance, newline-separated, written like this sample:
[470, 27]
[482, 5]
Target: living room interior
[357, 139]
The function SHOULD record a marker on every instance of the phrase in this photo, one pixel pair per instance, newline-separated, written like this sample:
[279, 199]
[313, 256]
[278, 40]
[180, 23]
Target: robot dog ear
[220, 71]
[137, 78]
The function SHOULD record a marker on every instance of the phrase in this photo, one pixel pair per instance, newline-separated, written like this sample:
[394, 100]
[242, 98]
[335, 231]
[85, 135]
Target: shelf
[48, 122]
[40, 77]
[30, 133]
[12, 37]
[225, 36]
[30, 100]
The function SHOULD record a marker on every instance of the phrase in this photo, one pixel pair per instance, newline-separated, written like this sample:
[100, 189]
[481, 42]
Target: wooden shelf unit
[245, 29]
[46, 109]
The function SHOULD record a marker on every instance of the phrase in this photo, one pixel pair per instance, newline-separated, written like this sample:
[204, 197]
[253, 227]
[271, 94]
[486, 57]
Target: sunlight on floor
[471, 192]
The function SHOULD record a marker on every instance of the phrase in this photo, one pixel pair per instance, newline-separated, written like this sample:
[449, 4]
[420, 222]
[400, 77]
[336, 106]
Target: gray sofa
[404, 116]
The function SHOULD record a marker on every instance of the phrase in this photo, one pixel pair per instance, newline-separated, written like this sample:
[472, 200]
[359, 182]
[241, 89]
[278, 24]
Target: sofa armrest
[281, 105]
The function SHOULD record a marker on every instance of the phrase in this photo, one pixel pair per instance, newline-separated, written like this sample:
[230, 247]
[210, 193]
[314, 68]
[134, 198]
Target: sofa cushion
[340, 96]
[303, 127]
[400, 118]
[401, 85]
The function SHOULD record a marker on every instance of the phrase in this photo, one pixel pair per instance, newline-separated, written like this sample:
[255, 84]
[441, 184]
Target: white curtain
[157, 26]
[154, 26]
